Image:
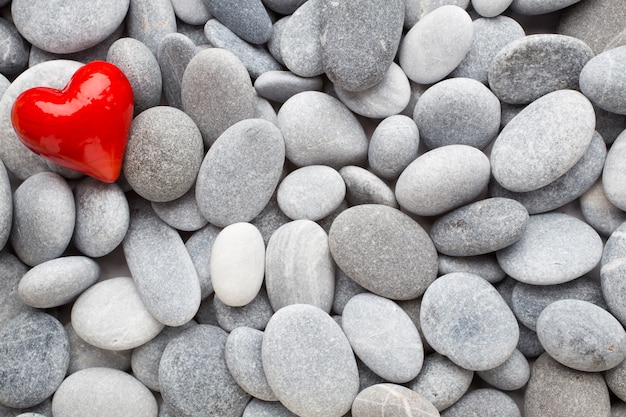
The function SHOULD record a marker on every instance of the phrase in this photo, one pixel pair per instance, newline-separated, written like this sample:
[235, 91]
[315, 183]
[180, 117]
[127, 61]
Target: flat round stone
[555, 248]
[391, 399]
[614, 173]
[512, 375]
[372, 241]
[602, 79]
[393, 146]
[612, 267]
[487, 402]
[364, 187]
[599, 212]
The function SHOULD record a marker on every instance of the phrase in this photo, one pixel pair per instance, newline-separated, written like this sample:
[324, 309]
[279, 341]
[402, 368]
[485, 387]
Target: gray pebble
[529, 343]
[84, 355]
[149, 21]
[216, 92]
[509, 111]
[393, 146]
[183, 213]
[43, 218]
[199, 246]
[256, 58]
[372, 240]
[609, 125]
[480, 333]
[195, 33]
[299, 267]
[44, 408]
[602, 79]
[416, 9]
[457, 111]
[479, 228]
[614, 172]
[484, 402]
[442, 179]
[555, 248]
[485, 266]
[270, 219]
[364, 187]
[248, 19]
[392, 400]
[243, 358]
[259, 408]
[490, 8]
[6, 206]
[141, 68]
[512, 375]
[441, 381]
[192, 12]
[255, 314]
[305, 358]
[155, 253]
[300, 43]
[319, 130]
[534, 7]
[68, 27]
[612, 276]
[41, 340]
[599, 212]
[263, 109]
[345, 289]
[173, 55]
[12, 270]
[530, 152]
[273, 43]
[541, 63]
[14, 51]
[163, 154]
[616, 380]
[279, 86]
[552, 388]
[206, 313]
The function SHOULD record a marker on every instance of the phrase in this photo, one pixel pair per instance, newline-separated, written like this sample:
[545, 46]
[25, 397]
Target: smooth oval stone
[58, 281]
[535, 7]
[393, 146]
[542, 64]
[311, 192]
[383, 336]
[442, 179]
[259, 408]
[35, 355]
[149, 21]
[199, 246]
[441, 381]
[192, 12]
[243, 358]
[552, 387]
[485, 266]
[14, 50]
[529, 343]
[305, 358]
[364, 187]
[18, 159]
[616, 381]
[183, 213]
[543, 141]
[602, 80]
[564, 189]
[84, 355]
[70, 26]
[490, 8]
[357, 55]
[511, 375]
[240, 172]
[614, 173]
[6, 206]
[436, 45]
[480, 333]
[255, 314]
[194, 377]
[43, 218]
[581, 335]
[457, 111]
[486, 402]
[392, 400]
[386, 98]
[12, 270]
[106, 319]
[555, 248]
[142, 70]
[479, 228]
[299, 268]
[599, 212]
[319, 130]
[279, 86]
[248, 19]
[273, 43]
[237, 264]
[101, 392]
[372, 241]
[155, 253]
[300, 43]
[612, 276]
[173, 55]
[102, 217]
[216, 92]
[490, 36]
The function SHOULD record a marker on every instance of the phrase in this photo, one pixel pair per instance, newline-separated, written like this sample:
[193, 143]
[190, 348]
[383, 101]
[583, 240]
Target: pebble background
[327, 208]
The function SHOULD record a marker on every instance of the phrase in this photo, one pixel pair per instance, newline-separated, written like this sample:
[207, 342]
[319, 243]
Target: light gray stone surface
[149, 21]
[12, 270]
[485, 266]
[602, 79]
[486, 402]
[248, 19]
[490, 8]
[279, 86]
[6, 206]
[84, 355]
[199, 246]
[536, 7]
[512, 375]
[173, 55]
[14, 51]
[614, 173]
[391, 399]
[611, 273]
[300, 44]
[364, 187]
[599, 212]
[255, 314]
[192, 12]
[259, 408]
[182, 213]
[393, 146]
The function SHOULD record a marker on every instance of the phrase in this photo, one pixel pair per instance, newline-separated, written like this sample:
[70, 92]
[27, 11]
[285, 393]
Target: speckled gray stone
[552, 387]
[371, 241]
[305, 358]
[480, 333]
[537, 7]
[300, 44]
[442, 179]
[43, 218]
[155, 253]
[70, 26]
[602, 80]
[279, 86]
[393, 146]
[103, 392]
[529, 343]
[12, 270]
[416, 9]
[14, 51]
[485, 266]
[490, 8]
[345, 289]
[319, 130]
[270, 219]
[441, 381]
[392, 400]
[84, 355]
[243, 358]
[192, 12]
[528, 301]
[102, 217]
[141, 68]
[44, 409]
[616, 380]
[542, 63]
[614, 173]
[6, 206]
[273, 43]
[564, 189]
[183, 213]
[484, 402]
[240, 172]
[364, 187]
[599, 212]
[481, 227]
[149, 21]
[199, 246]
[173, 55]
[612, 275]
[513, 374]
[259, 408]
[34, 360]
[490, 36]
[609, 125]
[555, 248]
[263, 109]
[530, 153]
[248, 19]
[255, 314]
[436, 45]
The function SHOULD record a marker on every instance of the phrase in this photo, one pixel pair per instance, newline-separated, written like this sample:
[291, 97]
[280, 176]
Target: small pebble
[616, 380]
[173, 55]
[612, 276]
[533, 7]
[529, 343]
[602, 79]
[255, 314]
[199, 246]
[273, 43]
[599, 212]
[193, 12]
[391, 400]
[279, 86]
[248, 19]
[512, 375]
[484, 402]
[485, 266]
[393, 146]
[364, 187]
[14, 50]
[6, 206]
[182, 213]
[416, 9]
[12, 270]
[614, 173]
[270, 219]
[345, 289]
[490, 8]
[149, 21]
[300, 43]
[84, 355]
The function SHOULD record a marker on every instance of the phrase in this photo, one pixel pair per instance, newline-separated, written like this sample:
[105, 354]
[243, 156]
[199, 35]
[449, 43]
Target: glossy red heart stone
[84, 126]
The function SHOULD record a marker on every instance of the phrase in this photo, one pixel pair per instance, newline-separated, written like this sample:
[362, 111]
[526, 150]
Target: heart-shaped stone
[84, 126]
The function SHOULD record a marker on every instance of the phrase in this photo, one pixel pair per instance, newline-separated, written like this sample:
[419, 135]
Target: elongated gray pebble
[485, 266]
[199, 246]
[173, 55]
[300, 44]
[14, 51]
[255, 314]
[602, 79]
[393, 146]
[616, 380]
[259, 408]
[183, 213]
[270, 219]
[416, 9]
[391, 399]
[84, 355]
[273, 43]
[599, 212]
[614, 173]
[193, 12]
[486, 402]
[279, 86]
[364, 187]
[248, 19]
[511, 375]
[6, 206]
[490, 8]
[534, 7]
[149, 21]
[12, 270]
[611, 273]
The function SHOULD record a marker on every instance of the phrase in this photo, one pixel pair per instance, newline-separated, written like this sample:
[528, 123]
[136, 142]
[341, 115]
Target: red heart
[83, 127]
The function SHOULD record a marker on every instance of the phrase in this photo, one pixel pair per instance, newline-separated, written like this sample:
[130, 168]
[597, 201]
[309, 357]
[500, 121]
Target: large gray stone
[536, 7]
[393, 146]
[300, 43]
[149, 21]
